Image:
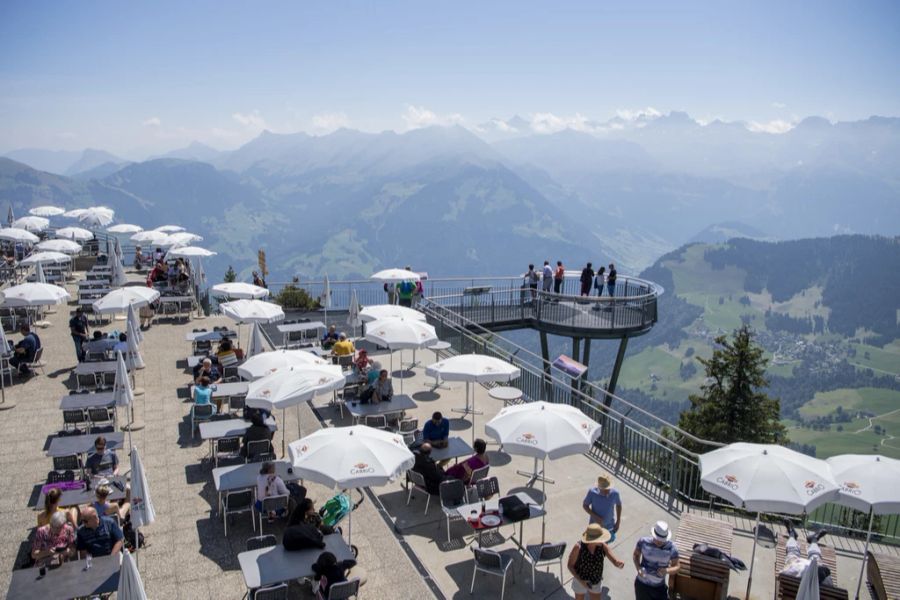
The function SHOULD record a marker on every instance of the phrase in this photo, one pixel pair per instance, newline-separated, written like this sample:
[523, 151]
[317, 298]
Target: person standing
[587, 278]
[603, 505]
[655, 558]
[547, 277]
[586, 562]
[611, 280]
[531, 279]
[558, 277]
[78, 326]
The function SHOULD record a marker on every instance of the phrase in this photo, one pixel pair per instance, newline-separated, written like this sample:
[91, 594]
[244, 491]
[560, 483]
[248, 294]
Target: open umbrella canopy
[118, 301]
[252, 311]
[767, 478]
[476, 368]
[97, 216]
[65, 246]
[32, 224]
[267, 363]
[394, 275]
[74, 233]
[543, 430]
[74, 213]
[349, 457]
[124, 228]
[148, 236]
[190, 252]
[185, 238]
[238, 290]
[170, 228]
[294, 385]
[14, 234]
[46, 211]
[867, 481]
[389, 311]
[398, 334]
[35, 294]
[46, 257]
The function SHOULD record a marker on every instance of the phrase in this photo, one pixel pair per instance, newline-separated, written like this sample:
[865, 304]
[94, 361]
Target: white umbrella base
[535, 475]
[6, 405]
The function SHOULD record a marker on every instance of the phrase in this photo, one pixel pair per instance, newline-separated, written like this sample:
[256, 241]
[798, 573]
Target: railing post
[673, 476]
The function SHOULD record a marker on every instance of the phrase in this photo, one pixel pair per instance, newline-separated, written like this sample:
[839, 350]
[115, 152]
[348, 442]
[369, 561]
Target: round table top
[439, 345]
[505, 393]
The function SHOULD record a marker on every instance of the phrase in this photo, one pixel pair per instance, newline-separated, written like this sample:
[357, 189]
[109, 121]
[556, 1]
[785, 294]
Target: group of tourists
[405, 293]
[550, 279]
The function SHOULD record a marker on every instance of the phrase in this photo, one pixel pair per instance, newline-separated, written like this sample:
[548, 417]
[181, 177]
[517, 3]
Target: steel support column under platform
[545, 354]
[620, 357]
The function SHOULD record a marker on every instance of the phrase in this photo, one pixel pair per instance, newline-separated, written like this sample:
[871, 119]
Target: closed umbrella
[123, 392]
[869, 484]
[257, 344]
[118, 301]
[32, 223]
[134, 350]
[14, 234]
[35, 294]
[142, 511]
[267, 363]
[353, 313]
[808, 588]
[79, 234]
[118, 269]
[473, 368]
[238, 290]
[390, 311]
[46, 211]
[97, 216]
[170, 228]
[124, 228]
[135, 324]
[766, 478]
[399, 334]
[191, 252]
[350, 457]
[130, 585]
[64, 246]
[46, 257]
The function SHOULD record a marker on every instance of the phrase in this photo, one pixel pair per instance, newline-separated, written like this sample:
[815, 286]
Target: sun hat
[604, 481]
[661, 532]
[594, 534]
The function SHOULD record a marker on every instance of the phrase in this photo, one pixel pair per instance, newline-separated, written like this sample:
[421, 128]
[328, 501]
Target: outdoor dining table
[456, 447]
[268, 566]
[224, 390]
[287, 329]
[208, 336]
[82, 496]
[224, 428]
[96, 367]
[93, 400]
[398, 403]
[66, 445]
[70, 580]
[241, 477]
[467, 510]
[506, 393]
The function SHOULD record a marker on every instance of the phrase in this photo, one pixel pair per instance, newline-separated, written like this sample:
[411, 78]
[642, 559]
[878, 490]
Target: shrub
[291, 296]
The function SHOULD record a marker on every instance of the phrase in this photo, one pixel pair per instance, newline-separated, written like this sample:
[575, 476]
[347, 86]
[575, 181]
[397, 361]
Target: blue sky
[143, 77]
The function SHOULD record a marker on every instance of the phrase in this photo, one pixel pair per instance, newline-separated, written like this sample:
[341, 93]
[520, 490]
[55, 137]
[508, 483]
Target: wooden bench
[786, 586]
[883, 574]
[702, 577]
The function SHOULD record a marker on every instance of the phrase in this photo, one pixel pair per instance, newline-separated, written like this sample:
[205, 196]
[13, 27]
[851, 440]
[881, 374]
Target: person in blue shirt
[436, 431]
[330, 337]
[78, 326]
[102, 461]
[98, 536]
[203, 393]
[655, 558]
[603, 505]
[25, 350]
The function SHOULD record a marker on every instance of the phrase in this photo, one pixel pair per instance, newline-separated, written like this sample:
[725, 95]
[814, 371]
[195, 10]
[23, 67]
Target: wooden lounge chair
[786, 586]
[701, 576]
[883, 574]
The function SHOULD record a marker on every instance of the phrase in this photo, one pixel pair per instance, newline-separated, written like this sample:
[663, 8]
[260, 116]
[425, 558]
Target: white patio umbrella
[399, 334]
[135, 324]
[148, 236]
[97, 216]
[130, 585]
[124, 228]
[118, 301]
[46, 257]
[118, 269]
[869, 484]
[766, 478]
[170, 228]
[64, 246]
[46, 211]
[142, 510]
[252, 311]
[808, 589]
[238, 290]
[74, 213]
[32, 223]
[395, 275]
[14, 234]
[123, 392]
[74, 233]
[185, 238]
[390, 311]
[35, 294]
[267, 363]
[191, 252]
[257, 344]
[473, 368]
[134, 350]
[353, 319]
[350, 457]
[292, 386]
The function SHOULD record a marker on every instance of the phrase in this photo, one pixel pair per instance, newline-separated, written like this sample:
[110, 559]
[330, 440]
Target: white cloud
[251, 120]
[551, 123]
[328, 122]
[639, 113]
[66, 135]
[152, 122]
[779, 105]
[775, 126]
[419, 116]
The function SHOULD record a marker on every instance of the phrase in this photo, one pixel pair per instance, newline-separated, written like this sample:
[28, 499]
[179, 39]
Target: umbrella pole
[862, 569]
[283, 431]
[473, 415]
[753, 555]
[543, 501]
[350, 521]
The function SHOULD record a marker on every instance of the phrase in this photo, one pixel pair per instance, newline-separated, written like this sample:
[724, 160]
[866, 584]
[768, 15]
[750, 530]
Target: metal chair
[377, 422]
[407, 426]
[417, 482]
[342, 590]
[274, 504]
[492, 563]
[272, 592]
[345, 361]
[236, 502]
[101, 416]
[227, 448]
[66, 463]
[200, 413]
[409, 439]
[479, 474]
[453, 495]
[261, 541]
[74, 417]
[486, 488]
[260, 451]
[37, 363]
[59, 476]
[236, 404]
[545, 554]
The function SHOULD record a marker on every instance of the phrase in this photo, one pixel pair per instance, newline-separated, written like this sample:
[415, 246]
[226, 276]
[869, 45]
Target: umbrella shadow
[403, 374]
[534, 493]
[60, 372]
[460, 424]
[186, 438]
[498, 458]
[426, 396]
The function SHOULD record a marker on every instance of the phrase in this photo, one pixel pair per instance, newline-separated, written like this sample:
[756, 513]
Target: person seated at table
[382, 389]
[269, 484]
[98, 535]
[328, 571]
[104, 507]
[147, 312]
[25, 350]
[258, 431]
[225, 353]
[437, 431]
[158, 255]
[207, 369]
[306, 513]
[330, 337]
[122, 344]
[138, 258]
[203, 394]
[362, 363]
[343, 347]
[51, 507]
[102, 461]
[428, 469]
[53, 542]
[463, 470]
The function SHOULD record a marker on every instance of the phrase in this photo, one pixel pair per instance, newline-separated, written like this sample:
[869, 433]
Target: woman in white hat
[586, 562]
[655, 558]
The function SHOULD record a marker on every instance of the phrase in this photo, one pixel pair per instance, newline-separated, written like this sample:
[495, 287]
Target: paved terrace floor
[189, 557]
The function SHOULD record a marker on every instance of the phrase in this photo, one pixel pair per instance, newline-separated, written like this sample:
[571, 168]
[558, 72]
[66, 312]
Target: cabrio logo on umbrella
[527, 438]
[361, 468]
[729, 481]
[812, 487]
[851, 487]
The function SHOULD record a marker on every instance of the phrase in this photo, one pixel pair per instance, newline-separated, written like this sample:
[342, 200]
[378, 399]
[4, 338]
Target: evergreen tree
[731, 407]
[230, 275]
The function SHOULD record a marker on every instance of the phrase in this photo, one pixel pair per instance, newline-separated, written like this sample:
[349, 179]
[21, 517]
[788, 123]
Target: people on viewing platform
[405, 291]
[603, 505]
[558, 277]
[611, 281]
[531, 281]
[655, 558]
[586, 561]
[547, 277]
[587, 278]
[600, 281]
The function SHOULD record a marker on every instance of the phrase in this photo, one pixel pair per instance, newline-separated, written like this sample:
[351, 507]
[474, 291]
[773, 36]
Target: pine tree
[230, 275]
[731, 407]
